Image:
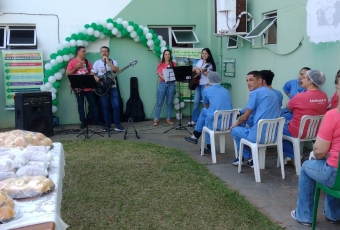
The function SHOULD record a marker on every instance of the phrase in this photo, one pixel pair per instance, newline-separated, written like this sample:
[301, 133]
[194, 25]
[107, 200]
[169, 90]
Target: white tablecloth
[47, 207]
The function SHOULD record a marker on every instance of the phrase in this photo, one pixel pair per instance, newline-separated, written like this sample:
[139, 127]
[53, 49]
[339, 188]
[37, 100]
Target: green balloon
[154, 36]
[94, 25]
[45, 79]
[156, 42]
[120, 27]
[56, 84]
[142, 38]
[74, 36]
[87, 26]
[93, 38]
[60, 65]
[125, 32]
[87, 37]
[100, 28]
[109, 20]
[60, 53]
[68, 39]
[145, 43]
[157, 49]
[135, 27]
[158, 54]
[114, 24]
[49, 73]
[65, 63]
[81, 36]
[151, 31]
[53, 56]
[55, 102]
[131, 23]
[66, 50]
[73, 50]
[139, 31]
[55, 68]
[107, 32]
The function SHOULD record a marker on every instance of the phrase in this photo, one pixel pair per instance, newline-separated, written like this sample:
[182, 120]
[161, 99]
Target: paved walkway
[276, 197]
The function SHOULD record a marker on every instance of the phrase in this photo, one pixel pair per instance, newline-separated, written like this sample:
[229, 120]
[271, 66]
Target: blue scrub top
[293, 87]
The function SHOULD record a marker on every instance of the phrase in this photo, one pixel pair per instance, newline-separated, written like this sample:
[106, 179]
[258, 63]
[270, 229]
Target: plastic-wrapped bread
[7, 210]
[21, 139]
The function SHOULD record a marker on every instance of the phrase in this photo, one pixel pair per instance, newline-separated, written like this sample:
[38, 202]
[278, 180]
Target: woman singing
[202, 68]
[165, 89]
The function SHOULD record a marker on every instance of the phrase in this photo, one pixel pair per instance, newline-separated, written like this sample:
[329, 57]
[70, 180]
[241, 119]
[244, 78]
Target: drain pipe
[221, 59]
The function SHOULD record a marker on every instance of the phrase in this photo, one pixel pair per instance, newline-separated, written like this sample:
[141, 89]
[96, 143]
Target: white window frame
[21, 44]
[233, 38]
[266, 34]
[3, 46]
[249, 36]
[185, 42]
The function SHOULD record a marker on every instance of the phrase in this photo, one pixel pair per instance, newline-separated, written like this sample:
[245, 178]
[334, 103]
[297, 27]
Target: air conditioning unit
[229, 17]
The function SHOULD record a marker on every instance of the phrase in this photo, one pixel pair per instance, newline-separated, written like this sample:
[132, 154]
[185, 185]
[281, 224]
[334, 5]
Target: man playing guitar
[80, 65]
[100, 67]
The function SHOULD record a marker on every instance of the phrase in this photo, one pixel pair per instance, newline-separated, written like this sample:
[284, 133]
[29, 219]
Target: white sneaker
[191, 123]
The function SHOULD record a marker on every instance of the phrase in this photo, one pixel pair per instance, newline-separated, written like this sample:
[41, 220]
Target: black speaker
[33, 112]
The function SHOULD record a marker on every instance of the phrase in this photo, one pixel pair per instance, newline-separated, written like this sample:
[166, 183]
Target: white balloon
[53, 90]
[119, 35]
[66, 57]
[83, 30]
[96, 33]
[53, 62]
[104, 24]
[148, 36]
[66, 44]
[163, 43]
[176, 106]
[62, 71]
[150, 43]
[176, 95]
[54, 108]
[48, 66]
[141, 26]
[54, 96]
[182, 104]
[42, 88]
[71, 56]
[161, 56]
[114, 31]
[101, 36]
[136, 39]
[130, 29]
[59, 59]
[80, 43]
[73, 42]
[48, 85]
[51, 79]
[176, 101]
[90, 31]
[133, 34]
[98, 22]
[162, 49]
[58, 76]
[125, 24]
[160, 37]
[60, 46]
[145, 30]
[86, 43]
[109, 26]
[119, 20]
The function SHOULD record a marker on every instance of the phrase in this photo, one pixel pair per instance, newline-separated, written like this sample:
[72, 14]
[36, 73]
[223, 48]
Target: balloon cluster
[55, 69]
[178, 103]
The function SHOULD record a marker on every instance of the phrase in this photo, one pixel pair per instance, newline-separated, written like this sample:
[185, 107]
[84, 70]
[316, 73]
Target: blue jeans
[92, 106]
[287, 146]
[197, 100]
[167, 90]
[313, 171]
[205, 119]
[114, 98]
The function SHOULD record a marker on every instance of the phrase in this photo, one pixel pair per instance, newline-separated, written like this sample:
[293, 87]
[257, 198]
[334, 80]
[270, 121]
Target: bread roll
[3, 198]
[9, 202]
[49, 184]
[6, 213]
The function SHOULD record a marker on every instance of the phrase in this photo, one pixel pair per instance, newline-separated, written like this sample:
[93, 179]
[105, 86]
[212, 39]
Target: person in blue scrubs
[215, 97]
[264, 104]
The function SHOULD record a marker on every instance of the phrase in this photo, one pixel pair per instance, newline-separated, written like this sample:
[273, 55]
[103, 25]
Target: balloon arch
[55, 69]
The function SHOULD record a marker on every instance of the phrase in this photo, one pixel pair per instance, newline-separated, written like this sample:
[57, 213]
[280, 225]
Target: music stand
[182, 74]
[84, 81]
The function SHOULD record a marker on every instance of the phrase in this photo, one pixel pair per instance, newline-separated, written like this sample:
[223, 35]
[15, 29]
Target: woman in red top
[334, 100]
[165, 89]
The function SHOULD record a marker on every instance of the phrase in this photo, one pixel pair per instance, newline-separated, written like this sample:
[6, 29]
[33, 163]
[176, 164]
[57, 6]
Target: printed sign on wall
[23, 72]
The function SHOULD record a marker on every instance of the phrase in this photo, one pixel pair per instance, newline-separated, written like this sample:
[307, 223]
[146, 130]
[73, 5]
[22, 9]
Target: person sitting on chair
[313, 102]
[322, 170]
[80, 65]
[100, 67]
[263, 104]
[215, 97]
[334, 100]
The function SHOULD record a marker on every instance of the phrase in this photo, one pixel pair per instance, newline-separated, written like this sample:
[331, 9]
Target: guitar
[195, 77]
[107, 80]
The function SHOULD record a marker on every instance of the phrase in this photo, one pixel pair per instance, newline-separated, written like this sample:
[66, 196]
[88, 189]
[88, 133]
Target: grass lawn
[132, 185]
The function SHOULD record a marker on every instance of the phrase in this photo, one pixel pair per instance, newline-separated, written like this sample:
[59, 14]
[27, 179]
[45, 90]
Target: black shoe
[207, 151]
[83, 125]
[191, 140]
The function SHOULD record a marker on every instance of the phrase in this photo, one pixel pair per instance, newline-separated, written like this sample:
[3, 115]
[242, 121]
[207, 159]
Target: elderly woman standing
[313, 102]
[322, 170]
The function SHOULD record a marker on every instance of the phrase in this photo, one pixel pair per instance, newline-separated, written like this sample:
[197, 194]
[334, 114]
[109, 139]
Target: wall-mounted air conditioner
[230, 17]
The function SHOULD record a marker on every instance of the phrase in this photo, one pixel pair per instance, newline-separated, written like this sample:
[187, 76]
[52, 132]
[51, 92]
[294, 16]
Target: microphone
[104, 60]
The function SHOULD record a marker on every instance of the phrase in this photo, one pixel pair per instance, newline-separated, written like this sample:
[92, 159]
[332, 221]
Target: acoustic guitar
[107, 80]
[195, 77]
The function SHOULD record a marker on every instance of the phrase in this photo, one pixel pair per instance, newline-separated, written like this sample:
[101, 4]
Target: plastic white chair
[273, 126]
[225, 117]
[312, 131]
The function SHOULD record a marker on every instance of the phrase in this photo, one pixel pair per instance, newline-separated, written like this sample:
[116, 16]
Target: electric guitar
[107, 80]
[195, 77]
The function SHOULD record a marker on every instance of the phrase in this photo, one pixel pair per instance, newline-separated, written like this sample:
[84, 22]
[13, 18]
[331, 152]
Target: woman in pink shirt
[334, 100]
[165, 89]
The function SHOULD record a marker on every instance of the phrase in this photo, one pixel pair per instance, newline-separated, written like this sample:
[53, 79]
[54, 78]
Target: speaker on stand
[33, 112]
